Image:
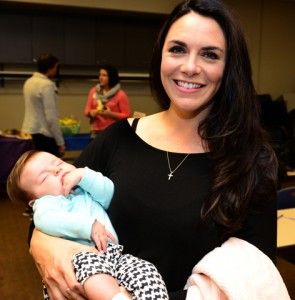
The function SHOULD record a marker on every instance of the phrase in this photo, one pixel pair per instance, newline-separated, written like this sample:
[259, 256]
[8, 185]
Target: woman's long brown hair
[244, 164]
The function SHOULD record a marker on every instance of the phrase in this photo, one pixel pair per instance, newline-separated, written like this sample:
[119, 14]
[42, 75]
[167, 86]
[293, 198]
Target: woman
[106, 102]
[197, 173]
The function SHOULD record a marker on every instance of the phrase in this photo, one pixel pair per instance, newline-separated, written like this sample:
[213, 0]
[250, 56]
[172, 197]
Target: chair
[286, 198]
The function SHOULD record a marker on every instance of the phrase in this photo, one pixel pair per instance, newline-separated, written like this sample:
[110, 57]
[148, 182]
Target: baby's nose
[56, 171]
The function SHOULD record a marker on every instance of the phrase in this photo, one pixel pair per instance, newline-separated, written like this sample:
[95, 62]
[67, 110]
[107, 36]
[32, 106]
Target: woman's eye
[177, 49]
[211, 55]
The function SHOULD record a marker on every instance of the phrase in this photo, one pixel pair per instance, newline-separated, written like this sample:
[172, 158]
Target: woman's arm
[124, 106]
[53, 258]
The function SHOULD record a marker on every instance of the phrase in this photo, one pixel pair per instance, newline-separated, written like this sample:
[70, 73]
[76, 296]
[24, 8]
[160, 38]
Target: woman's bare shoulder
[146, 120]
[149, 130]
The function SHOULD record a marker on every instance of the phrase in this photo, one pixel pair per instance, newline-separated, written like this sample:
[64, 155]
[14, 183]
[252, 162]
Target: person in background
[41, 118]
[70, 202]
[192, 176]
[106, 102]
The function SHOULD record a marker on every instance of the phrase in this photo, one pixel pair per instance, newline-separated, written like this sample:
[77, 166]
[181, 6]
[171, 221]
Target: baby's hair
[14, 191]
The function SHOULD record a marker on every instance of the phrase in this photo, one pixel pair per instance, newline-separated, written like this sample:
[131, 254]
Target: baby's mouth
[63, 176]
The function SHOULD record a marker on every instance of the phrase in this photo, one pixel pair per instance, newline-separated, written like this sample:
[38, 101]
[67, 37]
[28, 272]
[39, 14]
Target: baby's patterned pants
[138, 276]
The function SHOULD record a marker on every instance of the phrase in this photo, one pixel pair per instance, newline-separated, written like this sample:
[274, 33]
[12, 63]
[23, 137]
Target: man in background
[41, 118]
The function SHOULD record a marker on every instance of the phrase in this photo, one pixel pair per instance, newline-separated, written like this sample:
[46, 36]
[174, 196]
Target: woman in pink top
[106, 102]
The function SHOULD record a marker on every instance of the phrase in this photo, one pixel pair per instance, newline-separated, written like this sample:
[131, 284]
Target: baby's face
[43, 175]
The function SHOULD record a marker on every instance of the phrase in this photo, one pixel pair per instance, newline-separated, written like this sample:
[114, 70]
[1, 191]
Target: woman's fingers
[62, 290]
[75, 288]
[56, 285]
[55, 293]
[74, 296]
[53, 258]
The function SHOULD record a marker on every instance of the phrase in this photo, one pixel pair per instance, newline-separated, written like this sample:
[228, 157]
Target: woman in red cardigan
[106, 102]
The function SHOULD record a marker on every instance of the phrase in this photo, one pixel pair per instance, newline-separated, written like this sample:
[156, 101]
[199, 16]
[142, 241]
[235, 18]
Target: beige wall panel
[270, 29]
[150, 6]
[277, 55]
[72, 99]
[249, 16]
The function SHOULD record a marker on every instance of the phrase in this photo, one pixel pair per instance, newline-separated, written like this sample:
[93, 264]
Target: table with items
[286, 227]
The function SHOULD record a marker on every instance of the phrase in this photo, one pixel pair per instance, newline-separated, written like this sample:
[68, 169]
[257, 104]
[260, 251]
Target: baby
[71, 203]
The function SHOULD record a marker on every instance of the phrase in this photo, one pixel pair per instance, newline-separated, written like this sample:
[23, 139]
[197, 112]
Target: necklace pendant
[172, 171]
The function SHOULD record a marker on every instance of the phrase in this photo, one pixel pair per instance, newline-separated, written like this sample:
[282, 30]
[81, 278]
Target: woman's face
[103, 78]
[193, 60]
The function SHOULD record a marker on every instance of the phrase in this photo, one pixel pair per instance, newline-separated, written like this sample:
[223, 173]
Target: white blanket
[236, 271]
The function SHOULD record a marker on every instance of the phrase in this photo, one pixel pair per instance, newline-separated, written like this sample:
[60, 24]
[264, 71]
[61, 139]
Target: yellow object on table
[69, 126]
[286, 227]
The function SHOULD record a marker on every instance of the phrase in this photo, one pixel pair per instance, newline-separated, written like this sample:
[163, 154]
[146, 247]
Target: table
[77, 142]
[74, 145]
[286, 227]
[10, 150]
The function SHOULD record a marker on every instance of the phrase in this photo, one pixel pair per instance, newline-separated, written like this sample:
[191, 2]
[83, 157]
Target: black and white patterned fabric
[138, 276]
[141, 278]
[45, 293]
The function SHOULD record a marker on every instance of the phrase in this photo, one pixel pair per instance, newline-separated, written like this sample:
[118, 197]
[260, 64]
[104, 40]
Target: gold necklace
[171, 172]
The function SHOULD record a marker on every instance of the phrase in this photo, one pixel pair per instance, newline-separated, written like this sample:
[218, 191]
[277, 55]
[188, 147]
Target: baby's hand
[71, 179]
[100, 236]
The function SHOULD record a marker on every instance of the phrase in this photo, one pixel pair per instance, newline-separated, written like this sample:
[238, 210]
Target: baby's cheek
[58, 188]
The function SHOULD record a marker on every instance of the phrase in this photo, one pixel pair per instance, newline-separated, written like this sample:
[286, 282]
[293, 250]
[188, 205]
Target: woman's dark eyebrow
[179, 43]
[208, 48]
[213, 48]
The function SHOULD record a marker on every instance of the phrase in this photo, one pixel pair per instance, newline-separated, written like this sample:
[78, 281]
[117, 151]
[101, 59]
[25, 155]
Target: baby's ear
[31, 202]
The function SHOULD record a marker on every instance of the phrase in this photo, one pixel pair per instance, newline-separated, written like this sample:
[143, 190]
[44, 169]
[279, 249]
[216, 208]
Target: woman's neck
[166, 131]
[105, 90]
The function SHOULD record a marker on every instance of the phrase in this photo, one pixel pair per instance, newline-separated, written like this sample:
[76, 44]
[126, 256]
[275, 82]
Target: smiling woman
[208, 137]
[192, 69]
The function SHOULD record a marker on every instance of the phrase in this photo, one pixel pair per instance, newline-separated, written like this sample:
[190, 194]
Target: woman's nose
[191, 66]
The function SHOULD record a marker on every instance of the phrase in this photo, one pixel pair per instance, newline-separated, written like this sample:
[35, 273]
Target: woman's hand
[53, 258]
[105, 112]
[93, 113]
